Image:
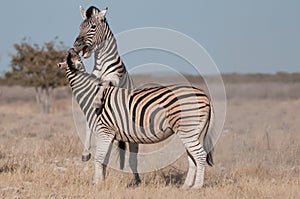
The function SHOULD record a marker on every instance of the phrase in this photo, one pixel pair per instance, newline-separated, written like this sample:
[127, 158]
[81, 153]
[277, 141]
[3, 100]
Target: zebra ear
[82, 12]
[102, 13]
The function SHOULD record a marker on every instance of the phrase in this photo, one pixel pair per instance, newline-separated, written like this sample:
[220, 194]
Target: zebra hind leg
[134, 148]
[198, 154]
[190, 177]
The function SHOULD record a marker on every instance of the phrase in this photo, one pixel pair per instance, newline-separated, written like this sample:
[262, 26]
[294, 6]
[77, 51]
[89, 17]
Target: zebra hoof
[86, 157]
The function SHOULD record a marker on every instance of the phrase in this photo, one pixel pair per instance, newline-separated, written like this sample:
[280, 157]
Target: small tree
[35, 66]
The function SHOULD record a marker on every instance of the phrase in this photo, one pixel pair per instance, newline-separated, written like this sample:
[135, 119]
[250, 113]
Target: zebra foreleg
[134, 149]
[103, 147]
[98, 100]
[86, 154]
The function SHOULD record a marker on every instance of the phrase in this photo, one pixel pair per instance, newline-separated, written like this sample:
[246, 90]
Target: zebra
[96, 36]
[145, 116]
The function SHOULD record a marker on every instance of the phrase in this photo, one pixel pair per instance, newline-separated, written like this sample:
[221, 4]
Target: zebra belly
[144, 137]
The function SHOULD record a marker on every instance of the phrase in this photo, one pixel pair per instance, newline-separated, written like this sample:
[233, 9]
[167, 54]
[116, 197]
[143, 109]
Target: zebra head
[93, 31]
[71, 61]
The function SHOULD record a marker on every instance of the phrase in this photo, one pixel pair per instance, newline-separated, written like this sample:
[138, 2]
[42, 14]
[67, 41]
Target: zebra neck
[107, 56]
[82, 84]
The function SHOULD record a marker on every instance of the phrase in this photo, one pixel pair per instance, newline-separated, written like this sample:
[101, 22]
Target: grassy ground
[257, 156]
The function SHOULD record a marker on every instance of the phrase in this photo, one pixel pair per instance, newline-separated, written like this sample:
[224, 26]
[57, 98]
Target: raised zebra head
[72, 61]
[93, 31]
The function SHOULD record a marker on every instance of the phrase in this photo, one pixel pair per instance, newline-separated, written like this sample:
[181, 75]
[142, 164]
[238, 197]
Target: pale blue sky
[241, 36]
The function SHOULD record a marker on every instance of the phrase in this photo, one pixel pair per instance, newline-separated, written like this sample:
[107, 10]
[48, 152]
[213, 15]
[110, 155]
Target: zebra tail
[122, 147]
[208, 142]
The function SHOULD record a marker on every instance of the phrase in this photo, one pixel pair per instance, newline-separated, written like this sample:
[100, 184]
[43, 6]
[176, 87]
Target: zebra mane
[91, 11]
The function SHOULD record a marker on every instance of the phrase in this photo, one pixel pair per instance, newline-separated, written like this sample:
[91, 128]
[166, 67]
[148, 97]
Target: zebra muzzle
[62, 65]
[85, 52]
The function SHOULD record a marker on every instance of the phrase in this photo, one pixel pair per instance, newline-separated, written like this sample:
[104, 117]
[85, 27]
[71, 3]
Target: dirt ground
[257, 155]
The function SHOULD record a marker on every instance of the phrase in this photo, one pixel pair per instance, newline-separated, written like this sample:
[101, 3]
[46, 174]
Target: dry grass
[258, 155]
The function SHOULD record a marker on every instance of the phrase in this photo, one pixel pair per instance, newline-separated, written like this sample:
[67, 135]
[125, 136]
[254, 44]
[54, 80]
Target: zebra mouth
[85, 52]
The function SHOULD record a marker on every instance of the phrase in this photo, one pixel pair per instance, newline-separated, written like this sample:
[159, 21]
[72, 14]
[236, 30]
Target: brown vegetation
[35, 66]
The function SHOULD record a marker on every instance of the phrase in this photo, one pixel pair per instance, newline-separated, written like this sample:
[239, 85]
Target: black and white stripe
[146, 116]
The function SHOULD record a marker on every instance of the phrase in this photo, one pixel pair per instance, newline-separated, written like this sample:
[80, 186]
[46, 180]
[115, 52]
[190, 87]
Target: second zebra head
[72, 61]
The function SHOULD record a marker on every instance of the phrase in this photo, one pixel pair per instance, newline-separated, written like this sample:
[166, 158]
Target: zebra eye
[93, 26]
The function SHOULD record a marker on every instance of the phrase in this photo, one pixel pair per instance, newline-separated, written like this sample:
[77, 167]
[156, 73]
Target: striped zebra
[96, 36]
[145, 116]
